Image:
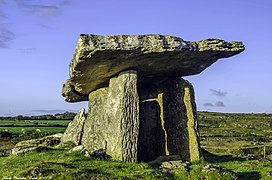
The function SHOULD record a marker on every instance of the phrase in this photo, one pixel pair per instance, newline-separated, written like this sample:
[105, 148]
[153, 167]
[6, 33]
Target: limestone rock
[36, 144]
[112, 123]
[171, 165]
[77, 148]
[68, 91]
[74, 130]
[80, 149]
[98, 58]
[159, 160]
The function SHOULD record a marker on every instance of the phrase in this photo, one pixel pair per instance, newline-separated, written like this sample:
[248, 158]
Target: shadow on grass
[212, 158]
[249, 175]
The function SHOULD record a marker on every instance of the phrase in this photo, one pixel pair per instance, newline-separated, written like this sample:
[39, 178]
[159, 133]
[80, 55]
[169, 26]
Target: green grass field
[235, 141]
[230, 134]
[16, 126]
[28, 129]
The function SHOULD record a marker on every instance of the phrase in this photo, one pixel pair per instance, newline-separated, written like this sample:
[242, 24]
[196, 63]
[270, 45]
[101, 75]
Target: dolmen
[140, 107]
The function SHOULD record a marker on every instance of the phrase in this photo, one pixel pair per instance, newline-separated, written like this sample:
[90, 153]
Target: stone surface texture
[74, 130]
[112, 124]
[98, 58]
[36, 144]
[180, 119]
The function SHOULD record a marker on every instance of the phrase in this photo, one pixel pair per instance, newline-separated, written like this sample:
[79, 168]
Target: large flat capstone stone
[99, 58]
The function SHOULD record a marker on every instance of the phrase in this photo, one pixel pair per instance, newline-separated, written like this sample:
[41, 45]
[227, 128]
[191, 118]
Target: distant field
[17, 126]
[233, 134]
[220, 133]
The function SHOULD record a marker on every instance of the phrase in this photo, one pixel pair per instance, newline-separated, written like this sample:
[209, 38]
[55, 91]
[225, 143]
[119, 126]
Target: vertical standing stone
[192, 125]
[112, 124]
[180, 119]
[74, 129]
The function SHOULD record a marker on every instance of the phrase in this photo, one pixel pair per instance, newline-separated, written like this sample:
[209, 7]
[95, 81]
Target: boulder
[36, 144]
[80, 149]
[74, 130]
[159, 160]
[98, 58]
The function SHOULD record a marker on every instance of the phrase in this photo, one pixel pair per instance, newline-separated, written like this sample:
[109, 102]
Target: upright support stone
[112, 123]
[181, 119]
[74, 129]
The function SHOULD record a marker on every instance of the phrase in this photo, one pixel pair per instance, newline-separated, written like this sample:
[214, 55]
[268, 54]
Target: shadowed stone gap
[152, 138]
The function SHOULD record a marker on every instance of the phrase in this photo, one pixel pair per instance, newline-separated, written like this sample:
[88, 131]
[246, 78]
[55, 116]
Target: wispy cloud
[45, 26]
[26, 50]
[220, 104]
[217, 104]
[208, 104]
[218, 93]
[6, 36]
[42, 11]
[3, 15]
[66, 2]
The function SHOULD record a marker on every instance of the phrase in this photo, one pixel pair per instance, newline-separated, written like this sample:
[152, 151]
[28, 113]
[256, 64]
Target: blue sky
[38, 38]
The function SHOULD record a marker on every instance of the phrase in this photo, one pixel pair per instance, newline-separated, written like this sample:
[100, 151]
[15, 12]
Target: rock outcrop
[74, 131]
[139, 106]
[36, 144]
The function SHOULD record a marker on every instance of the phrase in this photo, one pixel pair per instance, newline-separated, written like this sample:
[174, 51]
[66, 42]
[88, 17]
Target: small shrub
[33, 134]
[6, 134]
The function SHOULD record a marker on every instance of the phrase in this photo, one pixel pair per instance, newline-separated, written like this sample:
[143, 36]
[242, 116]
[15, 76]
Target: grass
[18, 130]
[16, 126]
[59, 164]
[234, 141]
[248, 168]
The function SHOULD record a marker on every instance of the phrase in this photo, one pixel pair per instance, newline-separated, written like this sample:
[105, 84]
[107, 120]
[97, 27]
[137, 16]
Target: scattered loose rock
[81, 149]
[36, 144]
[220, 170]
